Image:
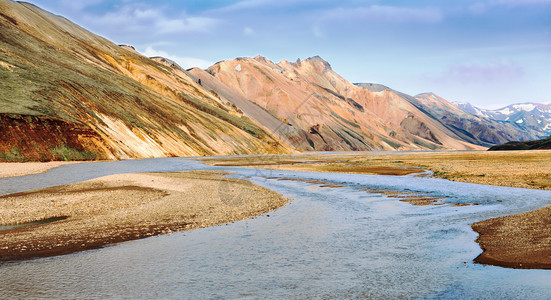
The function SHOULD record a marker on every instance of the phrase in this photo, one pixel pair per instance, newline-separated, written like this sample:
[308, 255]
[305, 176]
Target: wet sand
[22, 169]
[125, 207]
[516, 241]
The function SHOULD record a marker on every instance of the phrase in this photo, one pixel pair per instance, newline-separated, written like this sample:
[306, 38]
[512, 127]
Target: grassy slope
[51, 67]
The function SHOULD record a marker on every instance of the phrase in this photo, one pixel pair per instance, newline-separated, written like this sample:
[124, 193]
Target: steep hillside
[323, 111]
[287, 134]
[530, 116]
[528, 145]
[65, 89]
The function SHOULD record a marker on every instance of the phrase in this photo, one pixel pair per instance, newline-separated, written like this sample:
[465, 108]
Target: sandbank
[516, 241]
[125, 207]
[29, 168]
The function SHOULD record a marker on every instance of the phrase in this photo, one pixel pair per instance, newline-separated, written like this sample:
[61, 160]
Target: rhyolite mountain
[66, 93]
[322, 111]
[530, 116]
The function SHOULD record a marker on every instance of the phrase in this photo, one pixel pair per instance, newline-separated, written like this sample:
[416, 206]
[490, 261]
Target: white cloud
[266, 5]
[248, 31]
[522, 2]
[191, 24]
[387, 13]
[78, 5]
[316, 30]
[246, 4]
[146, 14]
[260, 4]
[483, 7]
[476, 73]
[137, 18]
[184, 61]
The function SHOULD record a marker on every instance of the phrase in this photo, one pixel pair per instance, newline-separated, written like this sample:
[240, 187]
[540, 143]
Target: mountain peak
[315, 62]
[318, 60]
[426, 94]
[262, 59]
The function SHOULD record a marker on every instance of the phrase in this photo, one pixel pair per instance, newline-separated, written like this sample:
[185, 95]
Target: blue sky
[487, 52]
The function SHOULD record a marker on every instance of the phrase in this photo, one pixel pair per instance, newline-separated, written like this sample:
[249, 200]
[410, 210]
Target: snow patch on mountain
[529, 115]
[524, 107]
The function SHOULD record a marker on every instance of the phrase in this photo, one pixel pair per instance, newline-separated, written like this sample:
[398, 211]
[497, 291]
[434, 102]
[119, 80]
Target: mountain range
[535, 116]
[66, 93]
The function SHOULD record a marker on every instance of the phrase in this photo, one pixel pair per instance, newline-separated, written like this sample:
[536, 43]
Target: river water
[329, 242]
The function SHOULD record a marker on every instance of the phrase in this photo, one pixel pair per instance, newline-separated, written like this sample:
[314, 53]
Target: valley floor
[130, 206]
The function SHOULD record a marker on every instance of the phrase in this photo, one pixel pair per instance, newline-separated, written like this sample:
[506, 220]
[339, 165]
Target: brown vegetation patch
[322, 183]
[125, 207]
[370, 170]
[421, 201]
[409, 197]
[465, 204]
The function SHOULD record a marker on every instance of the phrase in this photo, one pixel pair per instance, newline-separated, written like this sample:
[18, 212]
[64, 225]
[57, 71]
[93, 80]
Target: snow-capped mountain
[531, 115]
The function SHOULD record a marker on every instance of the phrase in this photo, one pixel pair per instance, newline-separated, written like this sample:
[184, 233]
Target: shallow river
[329, 242]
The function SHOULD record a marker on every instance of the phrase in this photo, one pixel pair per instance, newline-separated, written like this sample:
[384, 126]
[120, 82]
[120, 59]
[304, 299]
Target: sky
[490, 53]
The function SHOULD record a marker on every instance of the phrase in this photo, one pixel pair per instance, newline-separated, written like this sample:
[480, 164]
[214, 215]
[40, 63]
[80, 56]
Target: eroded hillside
[326, 112]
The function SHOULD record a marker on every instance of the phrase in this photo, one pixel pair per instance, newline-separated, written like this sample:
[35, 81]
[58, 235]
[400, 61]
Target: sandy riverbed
[125, 207]
[22, 169]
